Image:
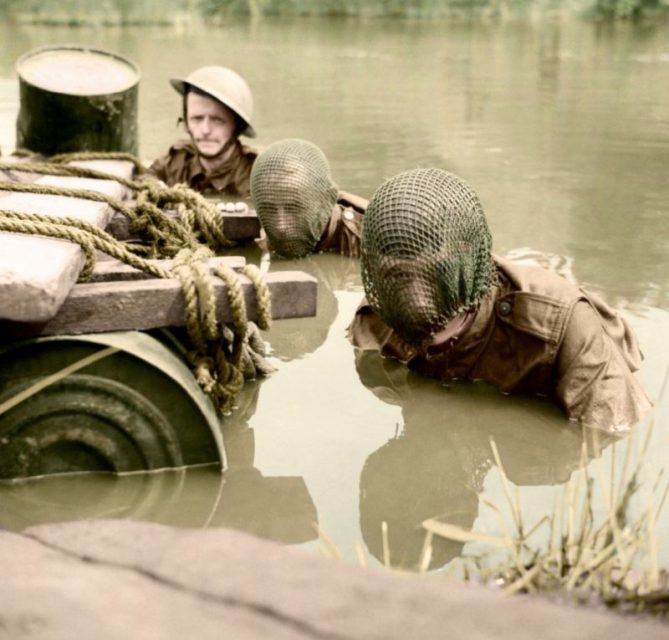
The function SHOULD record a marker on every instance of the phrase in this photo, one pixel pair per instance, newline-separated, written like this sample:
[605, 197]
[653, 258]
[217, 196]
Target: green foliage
[413, 8]
[159, 11]
[625, 8]
[224, 7]
[350, 8]
[7, 7]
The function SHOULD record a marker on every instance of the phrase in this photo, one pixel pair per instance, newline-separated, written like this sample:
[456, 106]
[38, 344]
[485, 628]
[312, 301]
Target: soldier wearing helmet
[438, 299]
[300, 208]
[217, 109]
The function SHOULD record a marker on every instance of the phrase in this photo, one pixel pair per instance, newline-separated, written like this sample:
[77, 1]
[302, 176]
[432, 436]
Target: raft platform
[108, 389]
[38, 275]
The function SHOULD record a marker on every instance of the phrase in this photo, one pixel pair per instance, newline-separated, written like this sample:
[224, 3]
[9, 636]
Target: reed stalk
[614, 561]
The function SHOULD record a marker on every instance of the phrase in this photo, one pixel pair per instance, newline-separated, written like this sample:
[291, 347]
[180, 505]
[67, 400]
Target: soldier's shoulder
[249, 151]
[181, 147]
[352, 201]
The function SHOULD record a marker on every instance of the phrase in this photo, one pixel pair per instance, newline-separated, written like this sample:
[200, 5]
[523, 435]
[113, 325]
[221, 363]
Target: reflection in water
[297, 338]
[435, 468]
[279, 508]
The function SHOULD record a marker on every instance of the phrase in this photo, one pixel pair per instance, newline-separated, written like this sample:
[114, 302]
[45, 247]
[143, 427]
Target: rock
[113, 579]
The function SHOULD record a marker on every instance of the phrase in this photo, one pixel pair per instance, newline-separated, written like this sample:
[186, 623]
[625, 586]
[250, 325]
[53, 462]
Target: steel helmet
[224, 85]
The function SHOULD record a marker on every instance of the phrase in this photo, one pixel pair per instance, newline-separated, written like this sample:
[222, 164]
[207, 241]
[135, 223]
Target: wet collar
[451, 332]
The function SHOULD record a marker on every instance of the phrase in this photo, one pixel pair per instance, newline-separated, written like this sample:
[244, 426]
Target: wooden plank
[238, 226]
[37, 273]
[8, 175]
[109, 270]
[149, 304]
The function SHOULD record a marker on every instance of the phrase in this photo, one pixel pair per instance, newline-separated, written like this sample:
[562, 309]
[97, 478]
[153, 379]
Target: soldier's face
[291, 209]
[209, 123]
[408, 294]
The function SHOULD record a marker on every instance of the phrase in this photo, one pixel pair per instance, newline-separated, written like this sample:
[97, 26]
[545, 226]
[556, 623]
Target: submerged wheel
[136, 409]
[85, 423]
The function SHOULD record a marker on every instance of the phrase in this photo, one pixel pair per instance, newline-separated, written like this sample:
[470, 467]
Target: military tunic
[342, 234]
[182, 165]
[535, 333]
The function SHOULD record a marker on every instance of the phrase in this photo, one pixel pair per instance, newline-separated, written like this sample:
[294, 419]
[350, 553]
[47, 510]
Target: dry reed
[610, 560]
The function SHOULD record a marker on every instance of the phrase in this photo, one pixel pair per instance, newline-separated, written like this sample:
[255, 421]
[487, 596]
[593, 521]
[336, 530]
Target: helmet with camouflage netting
[426, 252]
[293, 194]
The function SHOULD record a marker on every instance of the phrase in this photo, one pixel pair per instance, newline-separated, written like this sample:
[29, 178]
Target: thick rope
[52, 169]
[62, 158]
[217, 352]
[88, 236]
[216, 359]
[84, 194]
[166, 235]
[202, 215]
[263, 297]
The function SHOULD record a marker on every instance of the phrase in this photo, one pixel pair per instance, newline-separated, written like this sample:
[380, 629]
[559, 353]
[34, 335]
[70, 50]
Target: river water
[560, 125]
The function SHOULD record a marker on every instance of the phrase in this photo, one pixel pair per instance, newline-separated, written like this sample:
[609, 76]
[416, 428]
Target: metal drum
[76, 99]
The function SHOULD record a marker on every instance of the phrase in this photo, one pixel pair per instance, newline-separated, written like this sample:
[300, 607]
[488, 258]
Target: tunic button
[504, 308]
[348, 214]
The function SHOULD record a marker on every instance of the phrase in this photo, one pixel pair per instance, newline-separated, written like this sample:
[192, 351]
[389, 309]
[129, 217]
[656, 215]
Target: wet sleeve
[595, 384]
[370, 333]
[350, 245]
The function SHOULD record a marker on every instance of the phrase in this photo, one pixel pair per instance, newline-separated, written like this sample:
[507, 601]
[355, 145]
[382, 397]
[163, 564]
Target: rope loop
[263, 296]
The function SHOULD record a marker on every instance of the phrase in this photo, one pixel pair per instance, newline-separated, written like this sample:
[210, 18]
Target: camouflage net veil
[426, 252]
[293, 195]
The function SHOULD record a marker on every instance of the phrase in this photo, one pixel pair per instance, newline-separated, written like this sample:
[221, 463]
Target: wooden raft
[38, 294]
[36, 273]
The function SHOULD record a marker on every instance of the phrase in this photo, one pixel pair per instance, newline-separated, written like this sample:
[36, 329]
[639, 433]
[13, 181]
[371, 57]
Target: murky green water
[563, 130]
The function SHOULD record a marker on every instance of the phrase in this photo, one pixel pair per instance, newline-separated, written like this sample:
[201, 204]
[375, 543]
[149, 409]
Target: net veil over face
[293, 195]
[426, 252]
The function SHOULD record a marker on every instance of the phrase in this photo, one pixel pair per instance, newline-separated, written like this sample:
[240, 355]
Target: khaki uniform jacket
[182, 165]
[342, 234]
[535, 333]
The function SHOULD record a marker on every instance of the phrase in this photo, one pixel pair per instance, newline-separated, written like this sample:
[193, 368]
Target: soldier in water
[217, 109]
[301, 209]
[438, 299]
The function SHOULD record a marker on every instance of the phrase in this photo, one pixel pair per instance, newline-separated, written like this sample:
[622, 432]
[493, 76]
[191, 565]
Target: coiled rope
[190, 239]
